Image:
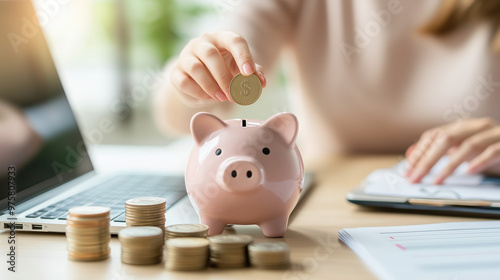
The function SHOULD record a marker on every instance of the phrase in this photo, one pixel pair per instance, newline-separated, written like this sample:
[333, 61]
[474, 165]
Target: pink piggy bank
[245, 172]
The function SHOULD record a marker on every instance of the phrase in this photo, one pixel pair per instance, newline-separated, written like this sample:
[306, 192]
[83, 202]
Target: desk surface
[315, 250]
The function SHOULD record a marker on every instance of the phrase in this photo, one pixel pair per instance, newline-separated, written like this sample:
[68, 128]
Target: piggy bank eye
[218, 152]
[266, 151]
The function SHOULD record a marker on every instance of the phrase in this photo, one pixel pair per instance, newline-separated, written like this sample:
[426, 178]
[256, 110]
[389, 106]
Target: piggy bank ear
[286, 125]
[203, 125]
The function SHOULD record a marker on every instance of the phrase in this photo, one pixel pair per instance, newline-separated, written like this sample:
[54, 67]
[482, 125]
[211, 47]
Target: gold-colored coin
[89, 212]
[269, 255]
[145, 201]
[87, 233]
[139, 232]
[84, 256]
[87, 224]
[231, 239]
[141, 245]
[187, 228]
[269, 247]
[245, 90]
[187, 242]
[186, 254]
[145, 211]
[229, 250]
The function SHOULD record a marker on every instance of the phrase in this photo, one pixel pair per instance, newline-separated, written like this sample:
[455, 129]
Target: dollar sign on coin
[245, 90]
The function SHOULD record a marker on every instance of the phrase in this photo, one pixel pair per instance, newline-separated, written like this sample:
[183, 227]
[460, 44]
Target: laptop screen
[39, 136]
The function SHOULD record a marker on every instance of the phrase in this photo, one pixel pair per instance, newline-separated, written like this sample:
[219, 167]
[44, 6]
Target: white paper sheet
[391, 182]
[447, 251]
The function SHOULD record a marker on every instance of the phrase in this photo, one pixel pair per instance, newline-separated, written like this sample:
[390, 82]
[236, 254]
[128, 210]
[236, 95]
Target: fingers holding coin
[203, 77]
[185, 85]
[238, 47]
[210, 56]
[207, 65]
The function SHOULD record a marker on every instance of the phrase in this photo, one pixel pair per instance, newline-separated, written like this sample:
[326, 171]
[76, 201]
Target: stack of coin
[186, 253]
[186, 230]
[245, 90]
[229, 251]
[141, 245]
[269, 255]
[87, 232]
[145, 211]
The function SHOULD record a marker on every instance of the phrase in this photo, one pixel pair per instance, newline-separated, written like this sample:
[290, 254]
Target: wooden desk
[315, 250]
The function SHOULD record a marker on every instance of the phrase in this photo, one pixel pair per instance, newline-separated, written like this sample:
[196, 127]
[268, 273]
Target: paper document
[391, 182]
[446, 251]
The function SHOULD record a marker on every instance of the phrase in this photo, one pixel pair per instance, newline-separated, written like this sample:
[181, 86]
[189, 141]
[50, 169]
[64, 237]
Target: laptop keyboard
[114, 192]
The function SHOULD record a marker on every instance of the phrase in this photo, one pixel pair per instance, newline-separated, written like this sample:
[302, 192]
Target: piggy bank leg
[214, 226]
[275, 227]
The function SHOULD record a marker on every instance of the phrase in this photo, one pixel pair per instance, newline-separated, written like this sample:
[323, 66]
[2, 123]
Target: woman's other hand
[476, 141]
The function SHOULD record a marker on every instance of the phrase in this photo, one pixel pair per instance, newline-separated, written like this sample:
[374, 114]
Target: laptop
[41, 147]
[43, 157]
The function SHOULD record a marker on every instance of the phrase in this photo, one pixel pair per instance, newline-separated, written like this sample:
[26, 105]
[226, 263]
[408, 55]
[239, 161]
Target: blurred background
[110, 55]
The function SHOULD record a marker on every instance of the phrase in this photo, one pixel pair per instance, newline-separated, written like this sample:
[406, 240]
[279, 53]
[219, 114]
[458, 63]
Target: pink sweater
[365, 80]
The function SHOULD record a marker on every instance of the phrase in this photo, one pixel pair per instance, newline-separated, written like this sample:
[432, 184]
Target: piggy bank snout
[240, 174]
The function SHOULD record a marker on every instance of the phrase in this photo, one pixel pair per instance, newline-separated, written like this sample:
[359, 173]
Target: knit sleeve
[266, 25]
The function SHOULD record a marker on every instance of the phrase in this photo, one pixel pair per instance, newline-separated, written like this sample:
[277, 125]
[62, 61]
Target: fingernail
[408, 172]
[220, 95]
[471, 169]
[439, 179]
[247, 69]
[416, 176]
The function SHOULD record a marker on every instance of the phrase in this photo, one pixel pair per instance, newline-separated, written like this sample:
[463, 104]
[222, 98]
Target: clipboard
[461, 192]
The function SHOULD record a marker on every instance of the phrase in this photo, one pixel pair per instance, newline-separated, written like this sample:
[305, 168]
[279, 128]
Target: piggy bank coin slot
[244, 123]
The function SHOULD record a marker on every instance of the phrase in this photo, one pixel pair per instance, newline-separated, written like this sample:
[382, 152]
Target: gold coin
[141, 245]
[155, 222]
[145, 201]
[141, 261]
[139, 232]
[269, 247]
[87, 239]
[187, 242]
[89, 211]
[87, 224]
[269, 255]
[92, 248]
[156, 212]
[87, 231]
[76, 256]
[245, 90]
[186, 253]
[187, 228]
[231, 239]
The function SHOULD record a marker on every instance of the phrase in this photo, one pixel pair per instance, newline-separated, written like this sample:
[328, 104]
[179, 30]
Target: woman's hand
[474, 140]
[208, 63]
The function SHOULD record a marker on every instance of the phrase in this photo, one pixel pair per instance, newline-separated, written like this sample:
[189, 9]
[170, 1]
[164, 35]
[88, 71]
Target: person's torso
[369, 82]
